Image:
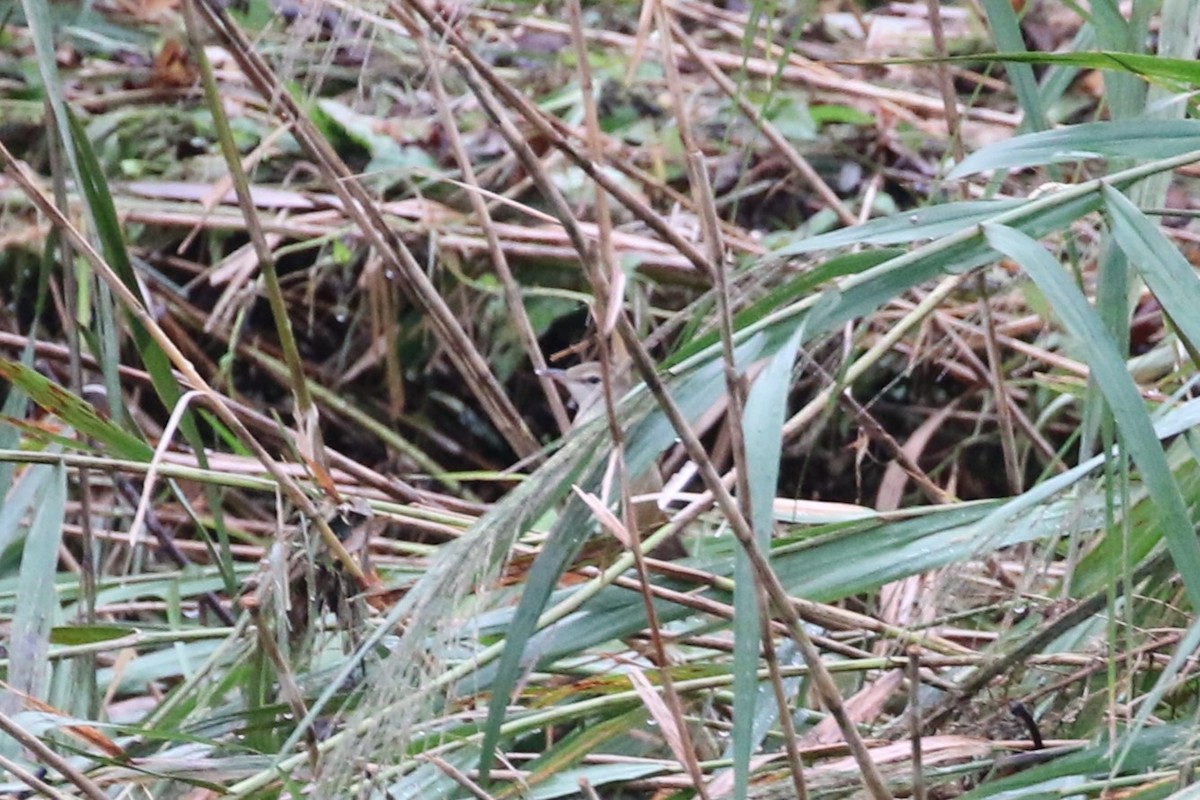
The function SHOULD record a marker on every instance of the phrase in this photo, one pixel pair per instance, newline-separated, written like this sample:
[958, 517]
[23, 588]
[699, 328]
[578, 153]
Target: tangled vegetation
[891, 318]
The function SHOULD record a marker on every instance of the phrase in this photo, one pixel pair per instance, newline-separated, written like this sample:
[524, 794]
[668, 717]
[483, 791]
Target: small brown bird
[584, 382]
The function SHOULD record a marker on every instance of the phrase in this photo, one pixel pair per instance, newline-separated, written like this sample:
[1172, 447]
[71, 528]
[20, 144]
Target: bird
[585, 384]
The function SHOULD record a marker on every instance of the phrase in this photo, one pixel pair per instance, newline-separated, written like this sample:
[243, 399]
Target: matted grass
[294, 505]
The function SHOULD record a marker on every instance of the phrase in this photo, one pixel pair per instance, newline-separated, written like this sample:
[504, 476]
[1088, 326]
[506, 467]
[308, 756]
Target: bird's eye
[593, 379]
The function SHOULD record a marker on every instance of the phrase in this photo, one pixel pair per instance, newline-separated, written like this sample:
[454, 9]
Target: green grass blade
[1184, 651]
[1057, 81]
[14, 407]
[795, 289]
[75, 412]
[162, 376]
[18, 502]
[35, 615]
[578, 744]
[1164, 269]
[1108, 370]
[694, 393]
[1006, 30]
[1124, 94]
[566, 538]
[762, 423]
[40, 20]
[1153, 68]
[933, 222]
[1134, 138]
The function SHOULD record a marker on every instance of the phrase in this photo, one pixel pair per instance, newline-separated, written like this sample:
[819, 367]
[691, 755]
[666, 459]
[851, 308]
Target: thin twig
[50, 758]
[982, 675]
[32, 781]
[1004, 407]
[608, 286]
[945, 81]
[307, 414]
[289, 690]
[827, 690]
[914, 717]
[460, 777]
[786, 721]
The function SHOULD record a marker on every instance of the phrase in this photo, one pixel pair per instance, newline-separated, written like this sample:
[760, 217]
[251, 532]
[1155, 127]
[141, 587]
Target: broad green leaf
[1124, 93]
[38, 437]
[20, 500]
[850, 560]
[566, 784]
[1056, 81]
[9, 439]
[859, 557]
[956, 251]
[431, 780]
